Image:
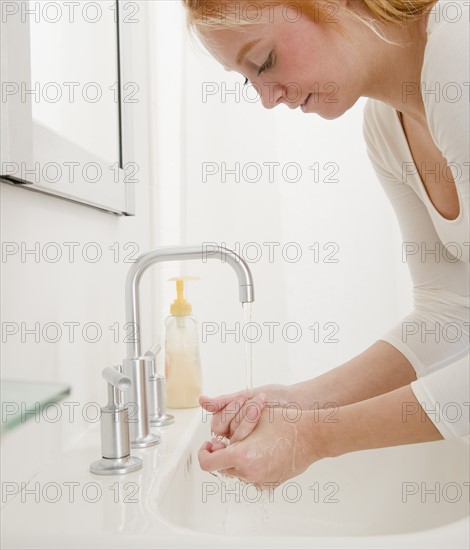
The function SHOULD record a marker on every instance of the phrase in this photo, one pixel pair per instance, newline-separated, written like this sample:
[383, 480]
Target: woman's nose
[271, 94]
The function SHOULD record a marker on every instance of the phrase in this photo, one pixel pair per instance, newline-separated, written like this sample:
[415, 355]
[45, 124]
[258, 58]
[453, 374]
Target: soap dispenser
[182, 359]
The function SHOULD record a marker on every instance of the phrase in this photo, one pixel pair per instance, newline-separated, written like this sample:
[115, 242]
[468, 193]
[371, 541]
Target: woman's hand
[268, 452]
[229, 410]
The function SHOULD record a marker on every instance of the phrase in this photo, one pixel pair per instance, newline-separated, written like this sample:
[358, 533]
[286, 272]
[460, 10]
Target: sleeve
[434, 337]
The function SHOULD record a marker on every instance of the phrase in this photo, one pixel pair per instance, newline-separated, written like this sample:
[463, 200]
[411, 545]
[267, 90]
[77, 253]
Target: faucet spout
[173, 253]
[134, 366]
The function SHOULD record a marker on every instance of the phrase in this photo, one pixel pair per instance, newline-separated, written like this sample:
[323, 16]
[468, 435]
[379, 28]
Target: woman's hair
[221, 14]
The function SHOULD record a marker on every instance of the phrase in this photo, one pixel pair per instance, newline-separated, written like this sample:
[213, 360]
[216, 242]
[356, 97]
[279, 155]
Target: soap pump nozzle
[180, 306]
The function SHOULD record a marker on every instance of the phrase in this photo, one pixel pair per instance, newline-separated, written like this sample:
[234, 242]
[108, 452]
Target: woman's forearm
[395, 418]
[379, 369]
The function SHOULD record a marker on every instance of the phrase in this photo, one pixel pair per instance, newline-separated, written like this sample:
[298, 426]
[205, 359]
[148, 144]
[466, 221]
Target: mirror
[74, 74]
[63, 80]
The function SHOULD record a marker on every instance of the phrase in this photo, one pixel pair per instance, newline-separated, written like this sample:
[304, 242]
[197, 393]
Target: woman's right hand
[230, 409]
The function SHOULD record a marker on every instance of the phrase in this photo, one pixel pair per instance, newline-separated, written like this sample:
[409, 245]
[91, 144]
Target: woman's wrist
[278, 395]
[315, 435]
[330, 431]
[313, 394]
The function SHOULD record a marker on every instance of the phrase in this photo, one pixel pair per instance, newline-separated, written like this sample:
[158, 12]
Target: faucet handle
[115, 440]
[116, 378]
[151, 360]
[154, 350]
[117, 383]
[156, 390]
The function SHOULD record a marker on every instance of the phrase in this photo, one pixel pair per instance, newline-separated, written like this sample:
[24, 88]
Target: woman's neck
[395, 77]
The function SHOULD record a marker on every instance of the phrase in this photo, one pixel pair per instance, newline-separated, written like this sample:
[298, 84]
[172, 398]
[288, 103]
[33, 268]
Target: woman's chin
[329, 116]
[330, 111]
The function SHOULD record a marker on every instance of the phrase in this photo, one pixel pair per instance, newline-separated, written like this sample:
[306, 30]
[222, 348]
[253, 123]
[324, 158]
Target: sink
[402, 497]
[382, 492]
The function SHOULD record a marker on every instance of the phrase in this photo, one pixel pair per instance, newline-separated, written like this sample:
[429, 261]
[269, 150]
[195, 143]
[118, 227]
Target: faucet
[136, 365]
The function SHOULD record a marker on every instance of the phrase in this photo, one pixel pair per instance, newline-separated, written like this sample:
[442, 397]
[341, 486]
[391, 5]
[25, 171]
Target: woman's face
[300, 63]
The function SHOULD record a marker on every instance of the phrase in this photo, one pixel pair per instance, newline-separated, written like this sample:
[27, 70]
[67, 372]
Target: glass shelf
[22, 400]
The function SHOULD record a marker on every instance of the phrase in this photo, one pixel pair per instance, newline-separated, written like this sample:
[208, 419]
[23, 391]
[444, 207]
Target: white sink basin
[353, 502]
[399, 490]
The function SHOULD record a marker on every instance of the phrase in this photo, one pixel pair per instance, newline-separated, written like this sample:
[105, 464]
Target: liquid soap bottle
[182, 359]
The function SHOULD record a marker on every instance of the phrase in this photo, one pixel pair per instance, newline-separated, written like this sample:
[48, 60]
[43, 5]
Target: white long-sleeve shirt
[434, 337]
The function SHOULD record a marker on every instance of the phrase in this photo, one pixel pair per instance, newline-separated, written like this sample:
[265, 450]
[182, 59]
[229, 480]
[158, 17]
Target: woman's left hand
[278, 448]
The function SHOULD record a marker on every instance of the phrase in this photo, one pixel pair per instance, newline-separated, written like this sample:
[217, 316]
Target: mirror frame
[27, 144]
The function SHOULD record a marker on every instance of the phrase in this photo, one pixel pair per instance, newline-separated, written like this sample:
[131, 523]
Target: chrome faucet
[136, 365]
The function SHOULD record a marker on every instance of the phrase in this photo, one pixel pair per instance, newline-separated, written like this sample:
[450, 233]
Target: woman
[411, 58]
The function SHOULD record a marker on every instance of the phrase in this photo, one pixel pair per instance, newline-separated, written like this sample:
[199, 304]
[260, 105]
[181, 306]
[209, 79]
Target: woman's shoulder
[446, 66]
[448, 16]
[444, 87]
[445, 80]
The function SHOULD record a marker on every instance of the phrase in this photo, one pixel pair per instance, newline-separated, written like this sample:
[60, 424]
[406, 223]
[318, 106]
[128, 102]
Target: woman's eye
[267, 65]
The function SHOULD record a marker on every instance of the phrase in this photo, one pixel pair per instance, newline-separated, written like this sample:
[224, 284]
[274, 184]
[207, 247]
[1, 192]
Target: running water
[247, 308]
[241, 511]
[266, 498]
[244, 510]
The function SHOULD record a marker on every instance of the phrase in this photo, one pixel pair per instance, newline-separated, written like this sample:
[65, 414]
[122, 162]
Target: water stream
[247, 312]
[242, 507]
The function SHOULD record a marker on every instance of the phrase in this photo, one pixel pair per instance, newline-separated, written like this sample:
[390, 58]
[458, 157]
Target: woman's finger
[250, 416]
[216, 404]
[221, 421]
[221, 459]
[217, 444]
